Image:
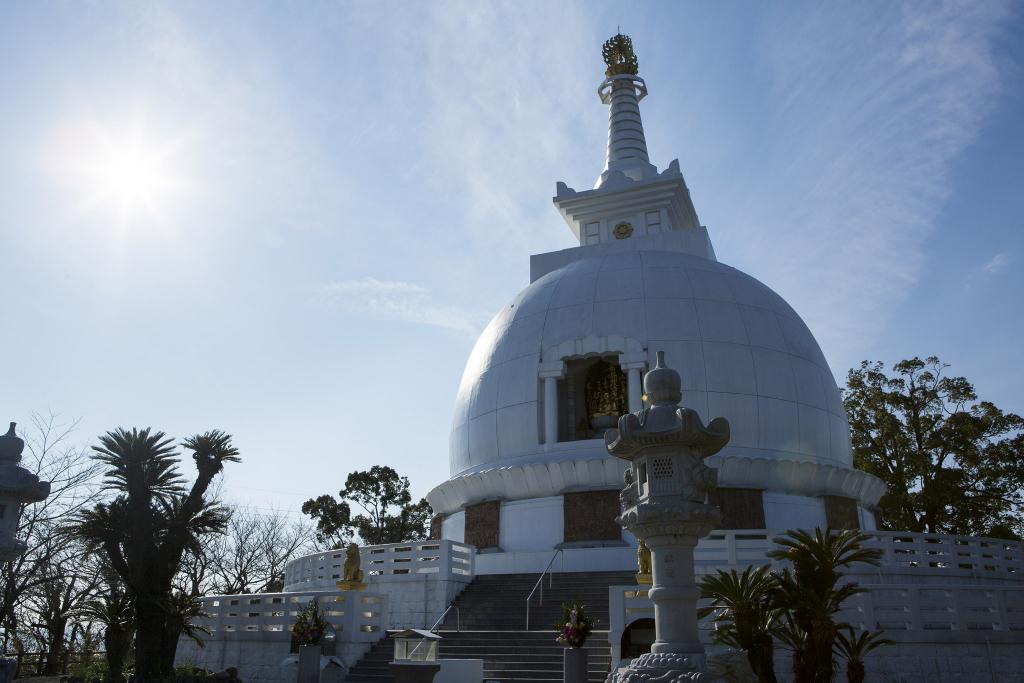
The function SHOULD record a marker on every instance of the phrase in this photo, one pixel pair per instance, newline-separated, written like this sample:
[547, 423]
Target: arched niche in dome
[591, 397]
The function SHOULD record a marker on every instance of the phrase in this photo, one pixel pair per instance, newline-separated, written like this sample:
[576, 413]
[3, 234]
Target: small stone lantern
[18, 486]
[415, 656]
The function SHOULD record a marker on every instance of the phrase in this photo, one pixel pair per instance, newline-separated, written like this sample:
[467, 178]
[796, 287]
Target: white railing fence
[926, 583]
[397, 560]
[387, 562]
[901, 551]
[890, 608]
[356, 617]
[939, 551]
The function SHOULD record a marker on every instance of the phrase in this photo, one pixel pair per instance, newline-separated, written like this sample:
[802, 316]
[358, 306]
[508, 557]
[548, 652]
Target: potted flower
[573, 630]
[308, 631]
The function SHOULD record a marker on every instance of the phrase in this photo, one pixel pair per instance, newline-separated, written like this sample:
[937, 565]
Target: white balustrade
[444, 559]
[356, 617]
[905, 612]
[906, 594]
[940, 551]
[903, 552]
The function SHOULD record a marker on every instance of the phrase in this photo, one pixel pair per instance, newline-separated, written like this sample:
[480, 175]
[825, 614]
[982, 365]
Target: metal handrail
[540, 583]
[458, 618]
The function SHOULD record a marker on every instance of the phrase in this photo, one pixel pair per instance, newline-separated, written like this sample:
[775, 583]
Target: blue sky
[329, 200]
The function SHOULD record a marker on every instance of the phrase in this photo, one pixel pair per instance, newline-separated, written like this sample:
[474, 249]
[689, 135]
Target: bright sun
[126, 171]
[130, 174]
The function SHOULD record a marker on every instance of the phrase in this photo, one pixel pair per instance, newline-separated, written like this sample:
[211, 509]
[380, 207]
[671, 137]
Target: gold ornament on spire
[619, 56]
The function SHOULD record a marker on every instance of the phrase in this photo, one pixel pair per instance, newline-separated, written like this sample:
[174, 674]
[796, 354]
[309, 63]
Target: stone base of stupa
[730, 666]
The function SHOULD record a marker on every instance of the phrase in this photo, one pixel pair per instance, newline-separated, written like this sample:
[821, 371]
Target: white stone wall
[420, 603]
[253, 632]
[932, 662]
[622, 558]
[532, 525]
[453, 528]
[785, 511]
[257, 661]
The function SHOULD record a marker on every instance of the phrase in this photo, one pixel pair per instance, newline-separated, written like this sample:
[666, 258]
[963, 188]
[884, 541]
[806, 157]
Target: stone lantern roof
[17, 487]
[665, 423]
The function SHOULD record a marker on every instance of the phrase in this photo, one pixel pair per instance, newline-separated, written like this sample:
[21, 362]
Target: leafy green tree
[333, 520]
[387, 515]
[149, 524]
[812, 592]
[951, 463]
[745, 615]
[855, 646]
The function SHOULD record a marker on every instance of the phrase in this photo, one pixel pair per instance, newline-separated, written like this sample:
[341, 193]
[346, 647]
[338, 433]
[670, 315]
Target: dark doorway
[637, 638]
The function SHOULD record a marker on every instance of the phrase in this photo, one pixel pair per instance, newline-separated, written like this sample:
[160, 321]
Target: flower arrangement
[575, 626]
[310, 625]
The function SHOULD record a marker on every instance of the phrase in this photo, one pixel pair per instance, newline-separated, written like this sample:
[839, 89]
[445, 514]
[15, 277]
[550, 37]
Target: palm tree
[183, 609]
[745, 618]
[810, 594]
[151, 521]
[855, 647]
[115, 612]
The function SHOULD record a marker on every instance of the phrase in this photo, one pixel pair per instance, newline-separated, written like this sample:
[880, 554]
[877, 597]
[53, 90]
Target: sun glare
[127, 171]
[131, 175]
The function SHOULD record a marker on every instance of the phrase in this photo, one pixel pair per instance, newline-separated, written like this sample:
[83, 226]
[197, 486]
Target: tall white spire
[623, 90]
[632, 205]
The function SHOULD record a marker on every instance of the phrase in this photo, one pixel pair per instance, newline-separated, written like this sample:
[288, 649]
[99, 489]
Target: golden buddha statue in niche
[605, 390]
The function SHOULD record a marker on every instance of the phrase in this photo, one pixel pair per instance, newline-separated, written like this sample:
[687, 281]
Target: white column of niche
[634, 391]
[551, 376]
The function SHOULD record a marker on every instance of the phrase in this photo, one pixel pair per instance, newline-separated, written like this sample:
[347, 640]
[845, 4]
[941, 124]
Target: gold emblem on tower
[619, 56]
[622, 230]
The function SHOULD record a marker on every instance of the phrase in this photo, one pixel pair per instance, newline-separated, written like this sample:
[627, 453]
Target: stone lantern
[664, 505]
[17, 487]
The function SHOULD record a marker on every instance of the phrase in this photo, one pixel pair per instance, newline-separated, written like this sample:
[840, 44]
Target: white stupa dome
[743, 353]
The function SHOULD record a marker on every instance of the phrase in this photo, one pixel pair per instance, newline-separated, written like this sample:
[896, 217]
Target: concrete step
[493, 615]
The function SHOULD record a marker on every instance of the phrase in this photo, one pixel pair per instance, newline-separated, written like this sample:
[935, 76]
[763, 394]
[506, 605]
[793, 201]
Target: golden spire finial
[619, 56]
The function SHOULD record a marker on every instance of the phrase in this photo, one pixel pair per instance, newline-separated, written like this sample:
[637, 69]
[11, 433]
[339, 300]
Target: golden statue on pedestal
[643, 564]
[352, 576]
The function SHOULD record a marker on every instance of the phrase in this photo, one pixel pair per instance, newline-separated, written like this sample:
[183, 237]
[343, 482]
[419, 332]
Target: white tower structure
[529, 473]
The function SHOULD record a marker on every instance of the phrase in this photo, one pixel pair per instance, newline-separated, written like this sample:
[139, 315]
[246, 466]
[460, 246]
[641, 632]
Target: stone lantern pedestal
[664, 505]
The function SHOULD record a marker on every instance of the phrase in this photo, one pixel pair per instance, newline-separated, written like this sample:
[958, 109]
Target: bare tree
[236, 556]
[68, 583]
[51, 454]
[285, 540]
[251, 555]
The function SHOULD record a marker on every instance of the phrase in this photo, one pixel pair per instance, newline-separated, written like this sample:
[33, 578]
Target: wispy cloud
[396, 300]
[868, 107]
[996, 263]
[505, 124]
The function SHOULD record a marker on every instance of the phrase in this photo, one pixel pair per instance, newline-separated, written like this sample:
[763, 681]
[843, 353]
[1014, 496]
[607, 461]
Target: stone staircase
[492, 620]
